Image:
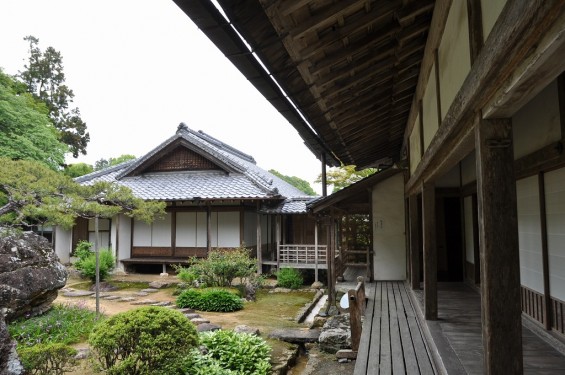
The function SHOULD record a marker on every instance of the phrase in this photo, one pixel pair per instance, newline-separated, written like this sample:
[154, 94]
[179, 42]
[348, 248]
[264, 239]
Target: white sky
[140, 67]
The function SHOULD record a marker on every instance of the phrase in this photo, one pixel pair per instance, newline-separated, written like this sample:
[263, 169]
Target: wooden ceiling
[350, 67]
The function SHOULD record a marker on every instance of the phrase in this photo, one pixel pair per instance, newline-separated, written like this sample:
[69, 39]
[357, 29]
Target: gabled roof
[228, 173]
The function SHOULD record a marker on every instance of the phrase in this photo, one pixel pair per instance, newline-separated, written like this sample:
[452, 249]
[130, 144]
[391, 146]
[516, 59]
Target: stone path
[202, 324]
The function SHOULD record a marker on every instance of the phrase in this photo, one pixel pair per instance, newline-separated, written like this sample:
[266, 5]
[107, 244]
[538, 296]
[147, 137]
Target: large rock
[336, 334]
[30, 274]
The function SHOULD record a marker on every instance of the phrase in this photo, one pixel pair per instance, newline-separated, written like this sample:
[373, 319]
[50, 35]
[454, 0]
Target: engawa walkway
[391, 341]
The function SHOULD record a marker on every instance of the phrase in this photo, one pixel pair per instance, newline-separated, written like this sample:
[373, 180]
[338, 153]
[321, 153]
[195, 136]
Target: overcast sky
[140, 67]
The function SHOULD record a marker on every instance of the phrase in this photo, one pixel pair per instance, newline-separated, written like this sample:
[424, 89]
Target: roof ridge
[104, 171]
[207, 137]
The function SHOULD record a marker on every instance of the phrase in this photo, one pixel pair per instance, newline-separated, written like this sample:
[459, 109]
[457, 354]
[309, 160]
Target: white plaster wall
[490, 10]
[214, 229]
[201, 229]
[63, 243]
[186, 229]
[415, 146]
[161, 231]
[228, 229]
[555, 209]
[141, 233]
[389, 240]
[537, 124]
[430, 115]
[469, 238]
[529, 233]
[454, 57]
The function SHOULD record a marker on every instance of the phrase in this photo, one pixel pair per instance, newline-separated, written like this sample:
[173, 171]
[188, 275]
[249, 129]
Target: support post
[278, 241]
[415, 245]
[430, 251]
[499, 251]
[208, 228]
[324, 177]
[259, 243]
[316, 251]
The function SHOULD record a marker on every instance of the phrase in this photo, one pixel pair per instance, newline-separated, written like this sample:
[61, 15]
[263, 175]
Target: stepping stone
[246, 329]
[158, 284]
[162, 304]
[198, 321]
[126, 299]
[78, 293]
[205, 327]
[101, 295]
[112, 298]
[144, 302]
[192, 315]
[150, 290]
[186, 310]
[296, 336]
[141, 294]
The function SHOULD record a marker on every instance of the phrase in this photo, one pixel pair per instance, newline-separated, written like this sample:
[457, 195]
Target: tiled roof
[288, 206]
[243, 179]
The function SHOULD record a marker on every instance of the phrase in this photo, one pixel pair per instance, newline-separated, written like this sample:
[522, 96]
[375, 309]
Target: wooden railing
[302, 254]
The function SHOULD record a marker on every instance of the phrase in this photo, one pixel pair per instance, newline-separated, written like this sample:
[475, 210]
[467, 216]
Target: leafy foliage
[297, 182]
[105, 163]
[87, 264]
[77, 169]
[345, 175]
[44, 78]
[222, 266]
[142, 341]
[289, 278]
[26, 132]
[31, 191]
[241, 353]
[217, 300]
[65, 324]
[48, 359]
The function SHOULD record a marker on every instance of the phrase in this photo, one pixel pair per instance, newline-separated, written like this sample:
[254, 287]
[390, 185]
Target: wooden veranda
[396, 340]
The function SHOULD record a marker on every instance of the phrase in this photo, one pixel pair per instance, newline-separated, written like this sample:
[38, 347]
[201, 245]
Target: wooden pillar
[430, 251]
[208, 228]
[324, 177]
[415, 245]
[316, 251]
[259, 243]
[498, 231]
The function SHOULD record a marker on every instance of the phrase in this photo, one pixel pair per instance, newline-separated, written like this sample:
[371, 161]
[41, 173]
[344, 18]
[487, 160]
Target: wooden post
[324, 177]
[430, 251]
[278, 234]
[415, 245]
[259, 243]
[316, 251]
[208, 228]
[498, 230]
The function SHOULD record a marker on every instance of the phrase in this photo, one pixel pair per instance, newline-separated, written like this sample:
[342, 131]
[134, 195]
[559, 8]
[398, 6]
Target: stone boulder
[247, 329]
[30, 274]
[335, 334]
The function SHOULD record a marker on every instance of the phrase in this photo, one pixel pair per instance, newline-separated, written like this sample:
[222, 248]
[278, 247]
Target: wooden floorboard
[459, 325]
[392, 341]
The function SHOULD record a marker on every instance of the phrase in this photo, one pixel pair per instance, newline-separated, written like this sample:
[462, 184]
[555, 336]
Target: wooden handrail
[357, 300]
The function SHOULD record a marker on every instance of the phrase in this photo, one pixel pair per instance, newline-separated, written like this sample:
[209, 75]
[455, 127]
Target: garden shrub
[217, 300]
[238, 353]
[63, 323]
[147, 340]
[289, 278]
[222, 266]
[87, 264]
[47, 359]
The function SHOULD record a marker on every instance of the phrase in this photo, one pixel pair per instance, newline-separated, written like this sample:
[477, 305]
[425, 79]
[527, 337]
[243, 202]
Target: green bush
[147, 340]
[83, 250]
[289, 278]
[65, 324]
[186, 275]
[210, 300]
[47, 359]
[235, 353]
[223, 265]
[87, 265]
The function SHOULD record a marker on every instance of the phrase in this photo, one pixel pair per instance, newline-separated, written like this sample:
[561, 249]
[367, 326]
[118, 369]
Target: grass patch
[66, 324]
[121, 285]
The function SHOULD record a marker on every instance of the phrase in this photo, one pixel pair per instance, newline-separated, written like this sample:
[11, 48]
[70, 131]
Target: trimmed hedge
[217, 300]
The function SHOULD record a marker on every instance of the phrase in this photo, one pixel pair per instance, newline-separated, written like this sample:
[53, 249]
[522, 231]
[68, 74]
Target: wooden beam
[409, 12]
[415, 245]
[475, 28]
[547, 311]
[430, 251]
[500, 265]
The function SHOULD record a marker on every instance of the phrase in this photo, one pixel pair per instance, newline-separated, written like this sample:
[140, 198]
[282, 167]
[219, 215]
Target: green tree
[44, 78]
[106, 163]
[344, 176]
[297, 182]
[26, 133]
[78, 169]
